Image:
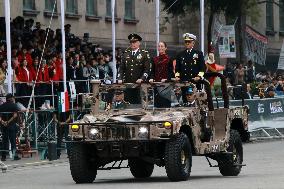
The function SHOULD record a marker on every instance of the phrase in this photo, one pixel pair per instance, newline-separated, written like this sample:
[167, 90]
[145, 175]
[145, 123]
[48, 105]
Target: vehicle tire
[245, 136]
[226, 164]
[140, 168]
[178, 158]
[81, 169]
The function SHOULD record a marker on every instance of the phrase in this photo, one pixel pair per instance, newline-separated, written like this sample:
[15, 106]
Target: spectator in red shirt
[36, 78]
[27, 56]
[24, 89]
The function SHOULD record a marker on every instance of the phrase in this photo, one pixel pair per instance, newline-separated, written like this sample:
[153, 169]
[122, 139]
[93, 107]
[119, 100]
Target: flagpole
[63, 43]
[157, 24]
[114, 70]
[202, 25]
[8, 42]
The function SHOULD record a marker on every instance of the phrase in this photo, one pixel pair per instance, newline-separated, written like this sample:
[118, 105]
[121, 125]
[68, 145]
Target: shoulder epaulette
[143, 50]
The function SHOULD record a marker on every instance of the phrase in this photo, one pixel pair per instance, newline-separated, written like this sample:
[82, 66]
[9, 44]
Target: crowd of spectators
[34, 48]
[243, 77]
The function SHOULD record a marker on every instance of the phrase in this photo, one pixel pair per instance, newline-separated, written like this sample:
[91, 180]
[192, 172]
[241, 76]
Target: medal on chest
[195, 57]
[139, 56]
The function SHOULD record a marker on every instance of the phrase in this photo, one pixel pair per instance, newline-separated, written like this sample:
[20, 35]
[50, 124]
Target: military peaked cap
[134, 37]
[189, 37]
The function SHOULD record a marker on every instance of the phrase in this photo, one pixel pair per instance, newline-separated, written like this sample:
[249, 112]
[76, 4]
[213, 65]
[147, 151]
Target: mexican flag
[63, 102]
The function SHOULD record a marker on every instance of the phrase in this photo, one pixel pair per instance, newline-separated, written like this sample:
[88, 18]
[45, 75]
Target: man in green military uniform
[119, 102]
[134, 68]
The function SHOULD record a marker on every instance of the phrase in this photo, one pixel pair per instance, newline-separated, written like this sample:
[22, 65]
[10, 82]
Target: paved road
[265, 169]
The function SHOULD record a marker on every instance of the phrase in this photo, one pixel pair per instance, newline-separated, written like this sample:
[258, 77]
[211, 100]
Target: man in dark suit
[190, 62]
[134, 68]
[247, 92]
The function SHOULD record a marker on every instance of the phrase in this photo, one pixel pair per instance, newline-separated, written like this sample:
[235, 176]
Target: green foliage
[230, 8]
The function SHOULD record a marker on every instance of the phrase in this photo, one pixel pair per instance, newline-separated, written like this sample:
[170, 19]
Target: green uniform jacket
[135, 67]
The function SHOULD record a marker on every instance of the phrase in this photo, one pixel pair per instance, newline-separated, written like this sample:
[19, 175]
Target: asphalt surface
[264, 170]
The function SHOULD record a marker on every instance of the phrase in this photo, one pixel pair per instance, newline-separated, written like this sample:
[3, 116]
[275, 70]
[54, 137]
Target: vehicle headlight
[143, 132]
[167, 125]
[94, 133]
[75, 128]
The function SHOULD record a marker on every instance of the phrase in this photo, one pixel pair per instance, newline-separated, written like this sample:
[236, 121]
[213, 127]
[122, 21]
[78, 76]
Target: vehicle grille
[112, 132]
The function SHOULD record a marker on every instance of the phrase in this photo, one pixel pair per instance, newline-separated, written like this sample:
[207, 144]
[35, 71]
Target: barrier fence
[262, 109]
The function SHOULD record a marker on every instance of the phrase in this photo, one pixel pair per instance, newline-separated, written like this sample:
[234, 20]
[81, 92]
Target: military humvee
[145, 135]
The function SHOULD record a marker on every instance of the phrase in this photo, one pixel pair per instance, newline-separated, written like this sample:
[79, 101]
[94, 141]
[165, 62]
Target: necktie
[133, 53]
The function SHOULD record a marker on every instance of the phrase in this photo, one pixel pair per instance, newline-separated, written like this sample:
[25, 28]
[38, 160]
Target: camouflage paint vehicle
[167, 137]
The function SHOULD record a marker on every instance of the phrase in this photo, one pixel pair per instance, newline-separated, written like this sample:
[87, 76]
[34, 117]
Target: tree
[232, 9]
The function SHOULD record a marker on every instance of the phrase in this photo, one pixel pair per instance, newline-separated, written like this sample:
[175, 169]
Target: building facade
[94, 17]
[271, 24]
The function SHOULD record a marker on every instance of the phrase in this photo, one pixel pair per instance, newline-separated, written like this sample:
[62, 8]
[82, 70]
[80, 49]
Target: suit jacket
[189, 64]
[42, 74]
[135, 67]
[23, 75]
[70, 72]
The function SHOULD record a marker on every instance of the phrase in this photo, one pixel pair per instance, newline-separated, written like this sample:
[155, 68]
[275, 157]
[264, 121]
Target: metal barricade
[40, 127]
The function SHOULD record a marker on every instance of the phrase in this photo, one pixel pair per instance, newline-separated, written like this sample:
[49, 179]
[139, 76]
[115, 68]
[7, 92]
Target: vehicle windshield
[145, 96]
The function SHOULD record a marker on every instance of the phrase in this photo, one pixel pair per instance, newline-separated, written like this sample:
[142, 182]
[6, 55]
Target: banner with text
[227, 42]
[255, 46]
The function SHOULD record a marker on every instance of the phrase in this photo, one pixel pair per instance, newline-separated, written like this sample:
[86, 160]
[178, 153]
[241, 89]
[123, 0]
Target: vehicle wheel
[81, 169]
[140, 168]
[227, 164]
[178, 158]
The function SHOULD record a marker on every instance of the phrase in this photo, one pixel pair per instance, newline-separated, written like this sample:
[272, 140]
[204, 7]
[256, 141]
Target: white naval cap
[189, 37]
